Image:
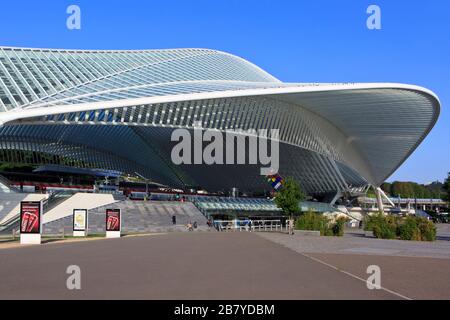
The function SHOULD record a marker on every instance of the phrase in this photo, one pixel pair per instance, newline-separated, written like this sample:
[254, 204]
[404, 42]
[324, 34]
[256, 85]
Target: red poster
[30, 218]
[113, 220]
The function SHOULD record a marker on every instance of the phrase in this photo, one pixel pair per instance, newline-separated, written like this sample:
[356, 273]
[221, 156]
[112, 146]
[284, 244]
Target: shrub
[385, 231]
[314, 222]
[318, 222]
[417, 229]
[409, 228]
[383, 227]
[427, 230]
[338, 227]
[371, 221]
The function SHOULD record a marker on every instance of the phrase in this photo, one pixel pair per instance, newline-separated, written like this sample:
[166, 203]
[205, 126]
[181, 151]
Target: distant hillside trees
[414, 190]
[447, 188]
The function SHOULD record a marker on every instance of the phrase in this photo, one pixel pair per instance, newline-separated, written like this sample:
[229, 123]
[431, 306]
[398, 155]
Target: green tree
[289, 197]
[386, 187]
[447, 188]
[415, 190]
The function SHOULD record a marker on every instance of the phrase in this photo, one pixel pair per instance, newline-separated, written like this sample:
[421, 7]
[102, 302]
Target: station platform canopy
[253, 204]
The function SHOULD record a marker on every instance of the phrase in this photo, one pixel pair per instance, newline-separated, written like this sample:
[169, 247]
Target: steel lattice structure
[116, 110]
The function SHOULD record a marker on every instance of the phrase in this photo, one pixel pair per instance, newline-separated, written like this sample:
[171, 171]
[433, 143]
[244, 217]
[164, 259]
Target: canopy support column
[378, 194]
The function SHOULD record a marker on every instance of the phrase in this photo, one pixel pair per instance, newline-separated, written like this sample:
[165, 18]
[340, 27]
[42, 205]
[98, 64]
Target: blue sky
[296, 41]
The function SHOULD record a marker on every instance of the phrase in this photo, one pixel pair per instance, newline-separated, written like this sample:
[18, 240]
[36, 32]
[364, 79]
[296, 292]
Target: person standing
[291, 226]
[174, 219]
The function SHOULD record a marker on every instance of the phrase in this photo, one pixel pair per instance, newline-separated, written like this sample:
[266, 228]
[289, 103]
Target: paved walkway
[414, 269]
[354, 242]
[176, 266]
[417, 278]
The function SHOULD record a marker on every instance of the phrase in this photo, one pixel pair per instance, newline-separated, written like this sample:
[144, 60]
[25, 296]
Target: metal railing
[256, 225]
[368, 200]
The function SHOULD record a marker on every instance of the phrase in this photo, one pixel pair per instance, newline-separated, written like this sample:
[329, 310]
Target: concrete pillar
[336, 198]
[379, 200]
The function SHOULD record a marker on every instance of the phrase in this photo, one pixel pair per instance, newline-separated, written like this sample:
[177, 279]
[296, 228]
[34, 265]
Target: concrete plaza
[212, 266]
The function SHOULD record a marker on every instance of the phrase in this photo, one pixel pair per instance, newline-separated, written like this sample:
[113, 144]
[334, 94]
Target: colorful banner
[276, 181]
[113, 220]
[30, 218]
[80, 220]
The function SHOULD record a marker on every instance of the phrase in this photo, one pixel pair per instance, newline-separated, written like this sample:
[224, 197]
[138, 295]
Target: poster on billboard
[30, 218]
[80, 222]
[30, 222]
[113, 223]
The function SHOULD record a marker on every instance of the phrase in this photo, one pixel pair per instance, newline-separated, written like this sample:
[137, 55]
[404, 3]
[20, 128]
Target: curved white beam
[18, 114]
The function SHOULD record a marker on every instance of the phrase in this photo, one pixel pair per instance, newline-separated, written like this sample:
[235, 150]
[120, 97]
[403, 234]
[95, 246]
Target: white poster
[79, 220]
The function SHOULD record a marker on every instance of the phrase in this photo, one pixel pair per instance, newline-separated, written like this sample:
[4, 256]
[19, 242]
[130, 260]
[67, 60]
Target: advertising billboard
[30, 218]
[80, 220]
[113, 220]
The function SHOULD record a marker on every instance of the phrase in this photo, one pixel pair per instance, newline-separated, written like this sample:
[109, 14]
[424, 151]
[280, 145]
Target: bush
[383, 227]
[417, 229]
[428, 230]
[338, 227]
[313, 222]
[409, 228]
[374, 220]
[385, 231]
[318, 222]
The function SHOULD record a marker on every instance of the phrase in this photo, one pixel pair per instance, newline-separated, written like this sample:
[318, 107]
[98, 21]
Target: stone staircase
[137, 218]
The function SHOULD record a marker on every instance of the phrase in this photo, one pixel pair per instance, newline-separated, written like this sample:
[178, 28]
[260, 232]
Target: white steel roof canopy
[362, 132]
